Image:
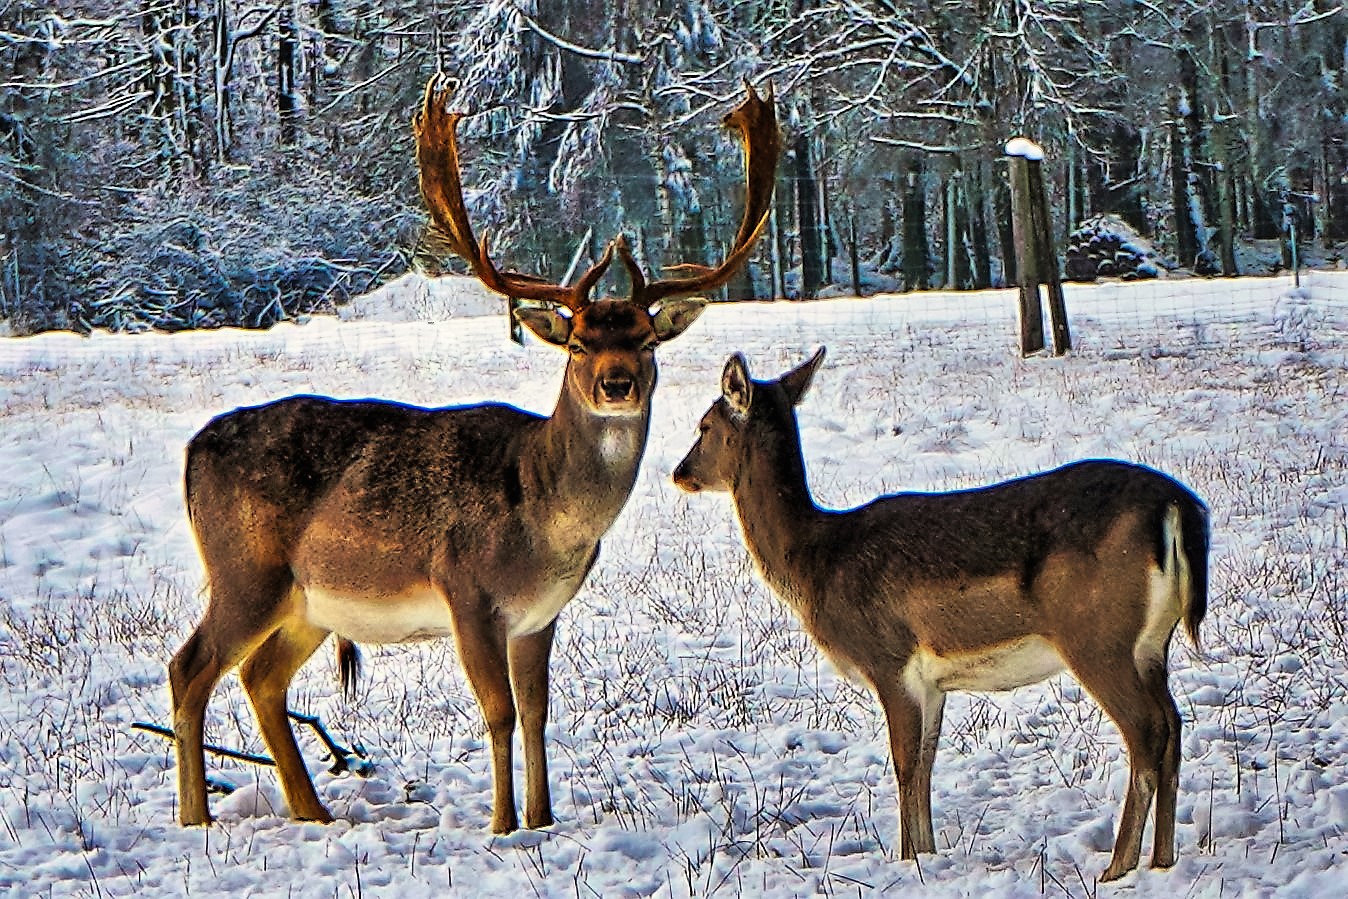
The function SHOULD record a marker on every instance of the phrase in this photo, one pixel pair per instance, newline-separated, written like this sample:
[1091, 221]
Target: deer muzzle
[617, 393]
[618, 388]
[684, 478]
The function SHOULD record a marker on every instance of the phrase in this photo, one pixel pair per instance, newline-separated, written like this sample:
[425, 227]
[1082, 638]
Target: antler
[438, 162]
[756, 120]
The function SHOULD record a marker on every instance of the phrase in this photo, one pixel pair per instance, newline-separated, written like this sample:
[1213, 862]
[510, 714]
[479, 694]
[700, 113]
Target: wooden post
[1036, 261]
[1022, 235]
[1048, 261]
[516, 329]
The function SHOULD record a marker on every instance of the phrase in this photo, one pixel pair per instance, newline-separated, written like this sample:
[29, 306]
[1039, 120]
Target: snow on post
[1025, 149]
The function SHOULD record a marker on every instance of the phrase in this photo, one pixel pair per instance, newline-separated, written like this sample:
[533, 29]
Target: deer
[1087, 568]
[384, 523]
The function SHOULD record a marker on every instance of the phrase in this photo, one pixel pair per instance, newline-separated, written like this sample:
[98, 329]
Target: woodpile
[1104, 246]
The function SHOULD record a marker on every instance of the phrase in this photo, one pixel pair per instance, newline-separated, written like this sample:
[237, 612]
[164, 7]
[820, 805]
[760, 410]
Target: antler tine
[438, 165]
[756, 120]
[633, 267]
[587, 281]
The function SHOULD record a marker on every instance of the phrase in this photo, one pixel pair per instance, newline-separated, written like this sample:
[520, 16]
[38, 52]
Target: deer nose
[684, 480]
[617, 387]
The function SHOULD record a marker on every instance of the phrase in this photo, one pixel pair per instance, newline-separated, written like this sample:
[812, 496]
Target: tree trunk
[1226, 152]
[807, 215]
[782, 243]
[287, 43]
[854, 254]
[958, 269]
[1196, 119]
[1265, 213]
[1187, 238]
[224, 138]
[1320, 187]
[692, 232]
[916, 250]
[159, 87]
[891, 249]
[978, 226]
[1227, 197]
[366, 57]
[189, 87]
[1001, 198]
[829, 237]
[951, 233]
[779, 262]
[1190, 183]
[1077, 196]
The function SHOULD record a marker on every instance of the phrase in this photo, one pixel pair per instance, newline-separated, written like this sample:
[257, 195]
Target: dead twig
[344, 760]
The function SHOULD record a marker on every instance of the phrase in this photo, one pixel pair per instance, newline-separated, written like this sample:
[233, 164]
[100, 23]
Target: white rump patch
[1001, 667]
[1166, 588]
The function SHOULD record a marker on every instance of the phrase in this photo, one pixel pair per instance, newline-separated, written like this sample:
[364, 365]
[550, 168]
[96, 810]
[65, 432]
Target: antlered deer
[386, 523]
[1087, 568]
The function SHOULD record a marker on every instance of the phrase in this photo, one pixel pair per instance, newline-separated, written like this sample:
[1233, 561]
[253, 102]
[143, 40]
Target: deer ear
[546, 322]
[674, 316]
[736, 386]
[797, 381]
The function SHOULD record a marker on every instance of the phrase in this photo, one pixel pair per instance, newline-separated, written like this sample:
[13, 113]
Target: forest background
[184, 163]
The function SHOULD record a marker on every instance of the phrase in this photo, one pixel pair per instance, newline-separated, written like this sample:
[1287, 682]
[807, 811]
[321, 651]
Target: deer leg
[266, 676]
[1167, 789]
[933, 713]
[193, 673]
[482, 650]
[529, 677]
[216, 646]
[903, 714]
[1144, 726]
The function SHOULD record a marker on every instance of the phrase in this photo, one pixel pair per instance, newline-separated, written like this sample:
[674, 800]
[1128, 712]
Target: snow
[699, 745]
[1025, 148]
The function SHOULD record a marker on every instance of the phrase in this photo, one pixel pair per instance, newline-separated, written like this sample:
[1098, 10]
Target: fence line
[452, 313]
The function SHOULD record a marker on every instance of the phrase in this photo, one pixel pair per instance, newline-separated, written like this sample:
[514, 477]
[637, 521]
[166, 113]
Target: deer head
[747, 411]
[611, 341]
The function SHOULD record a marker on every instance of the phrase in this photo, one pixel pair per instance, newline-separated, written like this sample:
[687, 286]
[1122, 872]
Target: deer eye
[649, 346]
[576, 350]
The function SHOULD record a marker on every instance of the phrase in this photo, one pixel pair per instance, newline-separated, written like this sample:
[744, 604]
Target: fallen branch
[167, 734]
[343, 760]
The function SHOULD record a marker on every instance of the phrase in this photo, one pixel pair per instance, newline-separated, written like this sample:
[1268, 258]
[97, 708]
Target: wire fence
[449, 314]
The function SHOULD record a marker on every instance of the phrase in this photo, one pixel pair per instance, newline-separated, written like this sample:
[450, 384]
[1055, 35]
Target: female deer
[1086, 568]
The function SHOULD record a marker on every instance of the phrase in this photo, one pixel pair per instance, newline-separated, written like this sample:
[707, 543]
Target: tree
[126, 122]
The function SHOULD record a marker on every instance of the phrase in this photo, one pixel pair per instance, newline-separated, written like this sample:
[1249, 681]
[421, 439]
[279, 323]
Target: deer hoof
[536, 821]
[1114, 872]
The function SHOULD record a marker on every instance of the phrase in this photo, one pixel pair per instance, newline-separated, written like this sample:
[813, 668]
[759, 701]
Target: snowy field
[699, 745]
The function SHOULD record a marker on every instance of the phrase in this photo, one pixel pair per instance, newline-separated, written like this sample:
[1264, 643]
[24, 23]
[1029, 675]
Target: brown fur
[492, 509]
[386, 522]
[918, 593]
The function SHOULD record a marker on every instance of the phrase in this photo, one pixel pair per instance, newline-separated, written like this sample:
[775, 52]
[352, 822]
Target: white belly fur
[1002, 667]
[541, 612]
[422, 615]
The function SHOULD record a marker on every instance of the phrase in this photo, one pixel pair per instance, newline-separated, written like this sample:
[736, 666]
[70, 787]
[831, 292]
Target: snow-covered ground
[699, 745]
